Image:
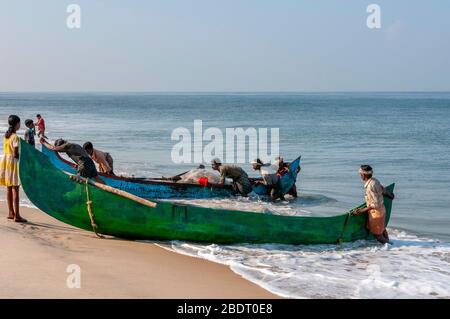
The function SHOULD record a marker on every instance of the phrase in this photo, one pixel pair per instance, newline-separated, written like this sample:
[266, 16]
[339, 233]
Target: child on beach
[29, 132]
[41, 126]
[9, 168]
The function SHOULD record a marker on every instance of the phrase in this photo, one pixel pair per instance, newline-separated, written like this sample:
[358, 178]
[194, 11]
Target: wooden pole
[113, 190]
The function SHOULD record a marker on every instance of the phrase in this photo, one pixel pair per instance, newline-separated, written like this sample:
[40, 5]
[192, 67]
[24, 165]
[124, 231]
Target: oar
[347, 218]
[341, 238]
[113, 190]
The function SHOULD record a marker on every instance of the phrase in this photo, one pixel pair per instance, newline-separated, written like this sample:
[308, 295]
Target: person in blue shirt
[29, 132]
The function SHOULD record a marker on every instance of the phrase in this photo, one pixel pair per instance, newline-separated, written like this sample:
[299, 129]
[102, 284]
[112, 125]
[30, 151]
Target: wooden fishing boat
[165, 189]
[87, 205]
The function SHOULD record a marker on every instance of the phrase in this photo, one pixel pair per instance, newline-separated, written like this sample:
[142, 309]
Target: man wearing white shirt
[270, 178]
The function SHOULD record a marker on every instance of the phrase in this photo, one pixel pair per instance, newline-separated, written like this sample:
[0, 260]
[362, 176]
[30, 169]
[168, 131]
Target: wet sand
[34, 259]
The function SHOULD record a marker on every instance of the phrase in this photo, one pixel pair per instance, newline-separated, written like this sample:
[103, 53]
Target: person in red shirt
[283, 168]
[41, 126]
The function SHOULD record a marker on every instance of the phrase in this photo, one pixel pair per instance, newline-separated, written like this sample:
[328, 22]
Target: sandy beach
[35, 256]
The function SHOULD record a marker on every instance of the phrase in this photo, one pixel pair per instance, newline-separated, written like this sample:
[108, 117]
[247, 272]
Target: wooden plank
[110, 189]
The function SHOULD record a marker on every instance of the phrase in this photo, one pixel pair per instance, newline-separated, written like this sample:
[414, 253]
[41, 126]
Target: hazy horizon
[220, 92]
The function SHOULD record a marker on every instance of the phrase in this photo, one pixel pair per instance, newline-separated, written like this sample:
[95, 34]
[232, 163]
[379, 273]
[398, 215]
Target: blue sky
[224, 45]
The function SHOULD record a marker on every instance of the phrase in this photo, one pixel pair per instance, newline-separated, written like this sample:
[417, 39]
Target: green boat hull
[53, 192]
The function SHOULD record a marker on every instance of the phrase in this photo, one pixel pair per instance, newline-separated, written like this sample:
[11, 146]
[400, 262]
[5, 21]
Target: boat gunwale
[221, 210]
[143, 180]
[253, 216]
[170, 201]
[152, 181]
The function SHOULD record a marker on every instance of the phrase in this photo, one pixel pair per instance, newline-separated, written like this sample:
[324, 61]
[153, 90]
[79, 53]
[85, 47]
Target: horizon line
[220, 92]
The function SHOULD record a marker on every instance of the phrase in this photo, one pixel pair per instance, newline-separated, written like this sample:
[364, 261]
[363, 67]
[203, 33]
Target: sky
[224, 45]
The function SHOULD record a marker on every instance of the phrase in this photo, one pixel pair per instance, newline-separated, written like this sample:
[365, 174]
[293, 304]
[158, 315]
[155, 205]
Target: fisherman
[270, 178]
[85, 166]
[103, 159]
[375, 208]
[283, 168]
[241, 183]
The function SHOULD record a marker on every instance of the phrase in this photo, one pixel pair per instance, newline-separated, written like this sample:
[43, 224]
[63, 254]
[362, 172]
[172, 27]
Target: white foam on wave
[412, 267]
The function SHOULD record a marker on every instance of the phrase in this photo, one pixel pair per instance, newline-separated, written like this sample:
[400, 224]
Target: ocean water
[404, 136]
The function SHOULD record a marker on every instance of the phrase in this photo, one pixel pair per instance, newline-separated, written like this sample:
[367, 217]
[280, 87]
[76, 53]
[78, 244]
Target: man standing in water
[375, 209]
[241, 183]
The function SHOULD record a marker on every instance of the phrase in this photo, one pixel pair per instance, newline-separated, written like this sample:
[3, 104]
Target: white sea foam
[412, 267]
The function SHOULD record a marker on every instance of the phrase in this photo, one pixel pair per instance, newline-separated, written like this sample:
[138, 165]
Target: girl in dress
[9, 168]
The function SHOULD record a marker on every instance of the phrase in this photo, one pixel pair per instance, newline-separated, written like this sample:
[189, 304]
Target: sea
[405, 137]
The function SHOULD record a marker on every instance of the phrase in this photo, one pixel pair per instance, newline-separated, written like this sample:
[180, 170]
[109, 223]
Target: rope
[89, 208]
[341, 238]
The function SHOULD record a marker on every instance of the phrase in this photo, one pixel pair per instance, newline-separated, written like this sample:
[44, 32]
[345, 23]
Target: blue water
[404, 136]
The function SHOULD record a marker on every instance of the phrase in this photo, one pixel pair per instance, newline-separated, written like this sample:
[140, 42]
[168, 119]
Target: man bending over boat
[241, 183]
[282, 169]
[270, 178]
[103, 159]
[374, 191]
[85, 166]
